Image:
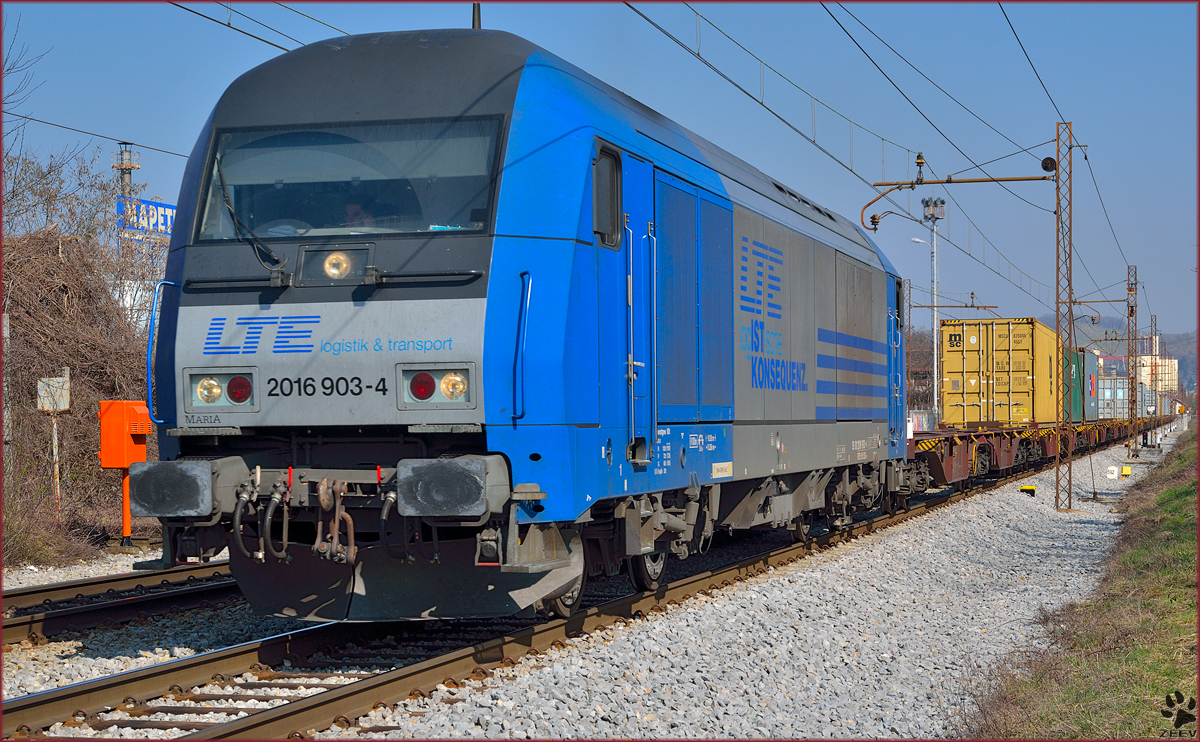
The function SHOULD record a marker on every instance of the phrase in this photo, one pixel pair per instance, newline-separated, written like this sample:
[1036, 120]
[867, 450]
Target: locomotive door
[637, 179]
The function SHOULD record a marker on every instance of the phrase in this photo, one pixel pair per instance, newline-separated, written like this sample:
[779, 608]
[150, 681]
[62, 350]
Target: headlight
[209, 390]
[337, 265]
[453, 385]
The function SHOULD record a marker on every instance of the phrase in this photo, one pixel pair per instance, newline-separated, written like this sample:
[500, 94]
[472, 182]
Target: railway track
[295, 684]
[35, 613]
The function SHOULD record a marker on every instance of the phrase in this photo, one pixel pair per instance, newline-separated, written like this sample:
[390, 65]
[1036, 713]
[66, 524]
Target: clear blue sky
[1124, 74]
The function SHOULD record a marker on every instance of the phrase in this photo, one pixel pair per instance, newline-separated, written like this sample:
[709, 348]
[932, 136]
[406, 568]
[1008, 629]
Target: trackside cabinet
[124, 426]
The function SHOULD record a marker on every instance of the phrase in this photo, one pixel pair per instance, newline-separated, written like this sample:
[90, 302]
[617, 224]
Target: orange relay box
[124, 426]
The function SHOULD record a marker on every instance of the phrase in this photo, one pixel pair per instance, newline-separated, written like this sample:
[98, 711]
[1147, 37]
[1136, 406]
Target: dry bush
[72, 300]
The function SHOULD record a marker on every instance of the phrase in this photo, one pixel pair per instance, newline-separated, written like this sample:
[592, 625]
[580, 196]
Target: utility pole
[125, 162]
[1063, 316]
[1131, 355]
[935, 209]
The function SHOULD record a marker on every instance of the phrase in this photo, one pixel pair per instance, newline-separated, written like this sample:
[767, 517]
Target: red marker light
[239, 389]
[421, 386]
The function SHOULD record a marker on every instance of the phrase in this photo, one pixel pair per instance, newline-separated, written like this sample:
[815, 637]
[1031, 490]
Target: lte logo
[288, 331]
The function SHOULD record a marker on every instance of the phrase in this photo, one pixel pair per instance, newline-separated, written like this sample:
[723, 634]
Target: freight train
[449, 325]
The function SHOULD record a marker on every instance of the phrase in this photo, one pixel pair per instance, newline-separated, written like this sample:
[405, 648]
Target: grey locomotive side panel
[777, 373]
[354, 347]
[802, 279]
[761, 450]
[858, 346]
[749, 402]
[776, 428]
[825, 291]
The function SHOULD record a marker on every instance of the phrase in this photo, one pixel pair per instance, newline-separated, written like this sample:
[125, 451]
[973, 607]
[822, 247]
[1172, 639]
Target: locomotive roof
[482, 67]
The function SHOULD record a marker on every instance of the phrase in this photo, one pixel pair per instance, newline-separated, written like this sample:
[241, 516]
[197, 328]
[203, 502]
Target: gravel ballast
[879, 637]
[72, 658]
[103, 565]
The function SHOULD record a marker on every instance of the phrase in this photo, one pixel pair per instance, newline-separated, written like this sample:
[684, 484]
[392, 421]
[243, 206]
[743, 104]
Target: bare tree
[919, 357]
[76, 293]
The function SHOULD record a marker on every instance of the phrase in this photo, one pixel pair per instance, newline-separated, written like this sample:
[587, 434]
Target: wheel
[566, 604]
[804, 524]
[645, 570]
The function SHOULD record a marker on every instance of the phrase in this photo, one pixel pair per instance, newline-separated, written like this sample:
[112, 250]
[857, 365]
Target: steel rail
[25, 597]
[37, 627]
[30, 714]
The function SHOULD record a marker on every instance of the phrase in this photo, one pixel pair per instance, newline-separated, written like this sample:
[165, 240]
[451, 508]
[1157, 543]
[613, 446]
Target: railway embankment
[1121, 662]
[880, 637]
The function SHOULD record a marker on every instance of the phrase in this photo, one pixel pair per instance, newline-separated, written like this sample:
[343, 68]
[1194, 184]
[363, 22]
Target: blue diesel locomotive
[449, 325]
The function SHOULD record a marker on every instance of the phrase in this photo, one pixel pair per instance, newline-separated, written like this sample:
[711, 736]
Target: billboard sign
[148, 217]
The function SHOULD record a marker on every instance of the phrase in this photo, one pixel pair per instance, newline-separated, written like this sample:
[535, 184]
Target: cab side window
[606, 198]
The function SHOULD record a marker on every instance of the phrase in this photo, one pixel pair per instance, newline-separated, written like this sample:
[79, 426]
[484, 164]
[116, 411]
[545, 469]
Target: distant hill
[1183, 347]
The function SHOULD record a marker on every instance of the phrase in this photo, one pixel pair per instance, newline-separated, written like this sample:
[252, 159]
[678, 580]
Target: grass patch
[1113, 659]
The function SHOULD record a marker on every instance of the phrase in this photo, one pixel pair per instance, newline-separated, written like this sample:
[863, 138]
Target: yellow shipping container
[998, 371]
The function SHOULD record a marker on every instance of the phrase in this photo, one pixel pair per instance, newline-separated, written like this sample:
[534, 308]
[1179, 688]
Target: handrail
[629, 367]
[150, 350]
[522, 336]
[653, 437]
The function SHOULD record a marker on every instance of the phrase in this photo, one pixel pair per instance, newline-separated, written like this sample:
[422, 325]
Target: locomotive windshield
[415, 177]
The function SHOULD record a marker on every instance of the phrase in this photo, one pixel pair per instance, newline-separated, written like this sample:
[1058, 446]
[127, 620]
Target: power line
[1085, 157]
[1104, 208]
[1100, 290]
[1005, 157]
[1035, 72]
[918, 110]
[309, 17]
[939, 87]
[252, 20]
[829, 154]
[777, 72]
[99, 136]
[233, 27]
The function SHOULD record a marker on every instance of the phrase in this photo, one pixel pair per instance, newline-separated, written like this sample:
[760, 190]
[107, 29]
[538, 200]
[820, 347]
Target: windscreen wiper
[278, 277]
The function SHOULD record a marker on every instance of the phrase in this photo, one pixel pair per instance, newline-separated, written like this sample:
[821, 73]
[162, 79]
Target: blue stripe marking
[856, 390]
[851, 341]
[849, 364]
[851, 413]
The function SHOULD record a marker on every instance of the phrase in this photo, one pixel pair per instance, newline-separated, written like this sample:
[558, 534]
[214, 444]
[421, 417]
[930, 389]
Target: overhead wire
[939, 87]
[231, 26]
[93, 134]
[1104, 208]
[1031, 65]
[1036, 74]
[229, 6]
[922, 113]
[1005, 157]
[782, 76]
[822, 149]
[309, 17]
